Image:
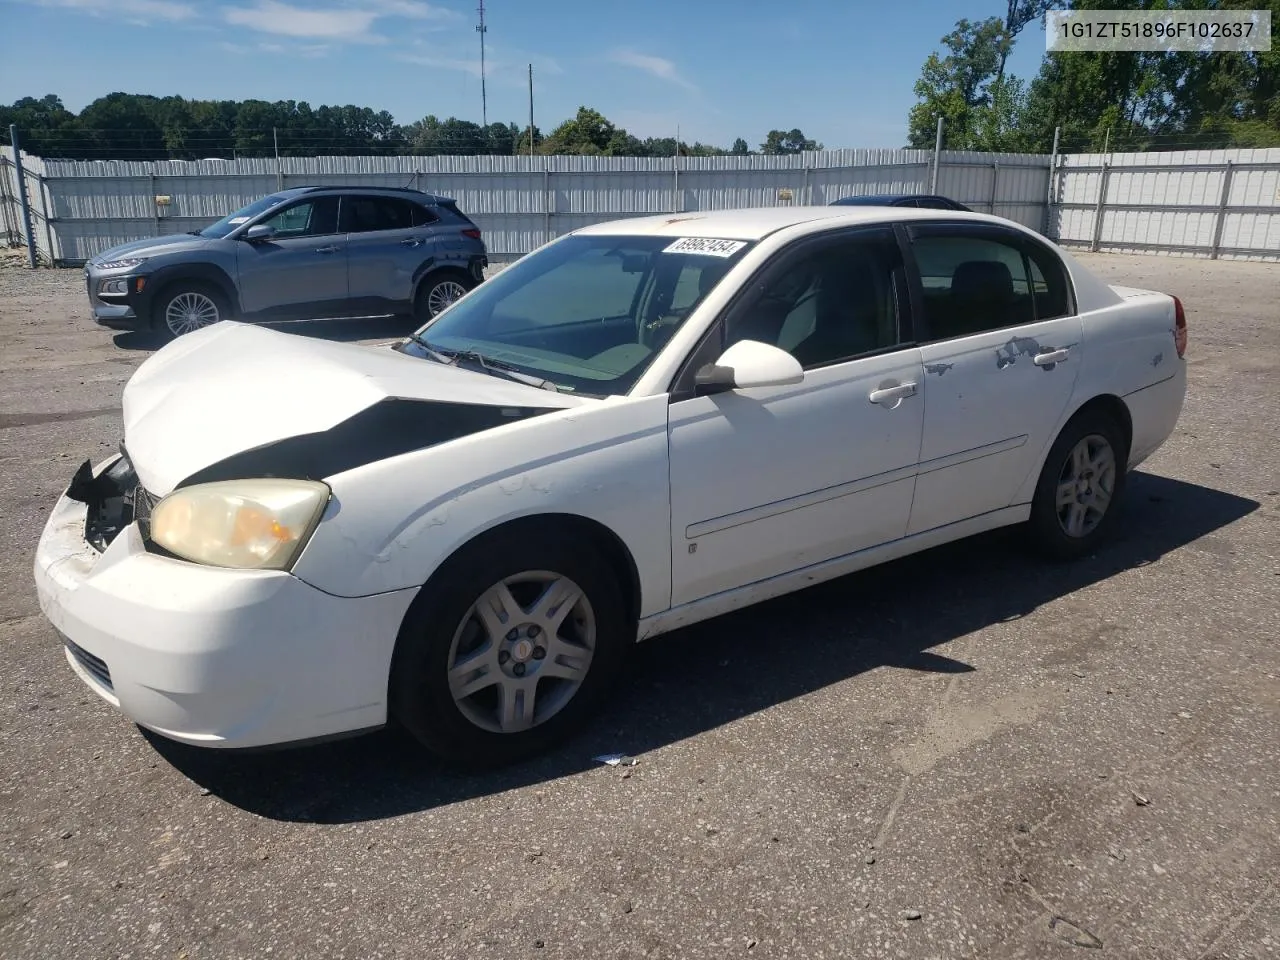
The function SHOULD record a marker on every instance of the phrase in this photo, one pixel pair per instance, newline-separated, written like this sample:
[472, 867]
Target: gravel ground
[962, 754]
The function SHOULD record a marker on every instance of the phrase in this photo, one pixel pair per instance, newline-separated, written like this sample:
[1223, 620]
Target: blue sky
[718, 69]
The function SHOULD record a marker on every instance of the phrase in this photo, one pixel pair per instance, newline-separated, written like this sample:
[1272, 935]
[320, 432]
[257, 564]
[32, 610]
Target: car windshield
[587, 313]
[216, 231]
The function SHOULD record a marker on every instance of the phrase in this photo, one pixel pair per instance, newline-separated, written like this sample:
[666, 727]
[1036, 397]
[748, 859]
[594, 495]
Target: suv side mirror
[749, 363]
[259, 232]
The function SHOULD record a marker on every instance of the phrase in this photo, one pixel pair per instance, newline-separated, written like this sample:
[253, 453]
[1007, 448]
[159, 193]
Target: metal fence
[1216, 203]
[1222, 203]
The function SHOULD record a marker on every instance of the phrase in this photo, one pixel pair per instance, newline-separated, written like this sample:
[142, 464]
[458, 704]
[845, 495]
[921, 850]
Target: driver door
[769, 480]
[301, 271]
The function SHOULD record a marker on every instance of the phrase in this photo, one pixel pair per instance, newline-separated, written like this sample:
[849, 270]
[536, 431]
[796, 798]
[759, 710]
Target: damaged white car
[642, 424]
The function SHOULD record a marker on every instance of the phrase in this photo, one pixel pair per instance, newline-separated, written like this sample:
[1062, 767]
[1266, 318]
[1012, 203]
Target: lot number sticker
[707, 245]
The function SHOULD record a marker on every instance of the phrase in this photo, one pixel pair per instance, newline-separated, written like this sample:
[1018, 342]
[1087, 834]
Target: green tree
[955, 86]
[588, 132]
[45, 127]
[782, 141]
[122, 127]
[739, 148]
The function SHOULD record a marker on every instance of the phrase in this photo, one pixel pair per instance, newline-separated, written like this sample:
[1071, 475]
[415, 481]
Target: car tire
[1078, 495]
[186, 306]
[437, 291]
[479, 701]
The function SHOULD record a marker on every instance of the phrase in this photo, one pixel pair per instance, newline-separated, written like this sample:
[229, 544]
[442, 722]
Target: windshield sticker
[236, 220]
[706, 245]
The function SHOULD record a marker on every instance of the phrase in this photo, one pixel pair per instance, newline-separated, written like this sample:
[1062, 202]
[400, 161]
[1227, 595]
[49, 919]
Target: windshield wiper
[454, 357]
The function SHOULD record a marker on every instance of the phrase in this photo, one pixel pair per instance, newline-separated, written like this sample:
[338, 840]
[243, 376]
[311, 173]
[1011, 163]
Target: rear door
[301, 272]
[389, 244]
[1000, 343]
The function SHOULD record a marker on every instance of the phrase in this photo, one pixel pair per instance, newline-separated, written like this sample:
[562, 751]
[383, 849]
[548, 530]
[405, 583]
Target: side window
[422, 217]
[370, 214]
[310, 218]
[972, 284]
[833, 304]
[934, 203]
[1049, 285]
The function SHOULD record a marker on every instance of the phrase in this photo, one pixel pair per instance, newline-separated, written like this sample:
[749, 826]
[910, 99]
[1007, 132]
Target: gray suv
[303, 253]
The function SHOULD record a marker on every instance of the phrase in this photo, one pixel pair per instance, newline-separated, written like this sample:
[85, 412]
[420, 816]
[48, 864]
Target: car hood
[151, 246]
[237, 400]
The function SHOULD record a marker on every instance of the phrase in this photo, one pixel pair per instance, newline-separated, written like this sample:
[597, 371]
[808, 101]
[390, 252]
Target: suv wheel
[187, 307]
[437, 292]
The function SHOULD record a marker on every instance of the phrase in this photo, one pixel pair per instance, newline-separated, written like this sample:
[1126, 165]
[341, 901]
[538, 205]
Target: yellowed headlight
[256, 524]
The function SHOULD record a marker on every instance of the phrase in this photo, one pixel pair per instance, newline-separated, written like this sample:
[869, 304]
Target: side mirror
[259, 232]
[749, 363]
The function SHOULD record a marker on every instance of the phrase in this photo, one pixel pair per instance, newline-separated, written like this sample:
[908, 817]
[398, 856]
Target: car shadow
[344, 330]
[732, 666]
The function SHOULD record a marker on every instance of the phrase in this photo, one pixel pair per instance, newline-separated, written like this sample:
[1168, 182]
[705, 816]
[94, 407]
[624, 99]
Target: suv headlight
[256, 524]
[122, 264]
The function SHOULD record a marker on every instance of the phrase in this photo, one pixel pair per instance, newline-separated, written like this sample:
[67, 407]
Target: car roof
[366, 188]
[755, 223]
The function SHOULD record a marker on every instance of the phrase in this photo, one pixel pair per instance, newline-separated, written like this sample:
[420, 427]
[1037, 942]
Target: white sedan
[642, 424]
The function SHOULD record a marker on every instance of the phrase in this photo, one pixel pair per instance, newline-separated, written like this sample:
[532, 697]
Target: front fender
[392, 523]
[203, 271]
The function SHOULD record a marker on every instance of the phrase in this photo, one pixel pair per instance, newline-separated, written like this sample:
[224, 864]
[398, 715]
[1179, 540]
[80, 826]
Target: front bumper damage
[204, 655]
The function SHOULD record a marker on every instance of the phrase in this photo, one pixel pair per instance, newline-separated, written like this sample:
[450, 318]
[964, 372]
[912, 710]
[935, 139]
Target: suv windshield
[587, 313]
[216, 231]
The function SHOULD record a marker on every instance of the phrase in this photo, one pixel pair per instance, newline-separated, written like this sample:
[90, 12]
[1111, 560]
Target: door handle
[887, 394]
[329, 249]
[1050, 358]
[411, 242]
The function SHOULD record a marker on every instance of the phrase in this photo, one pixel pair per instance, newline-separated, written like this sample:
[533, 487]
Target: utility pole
[531, 109]
[275, 142]
[484, 101]
[23, 203]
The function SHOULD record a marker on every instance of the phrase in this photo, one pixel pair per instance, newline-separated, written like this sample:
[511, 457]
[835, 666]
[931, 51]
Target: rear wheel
[509, 649]
[186, 307]
[1080, 486]
[438, 291]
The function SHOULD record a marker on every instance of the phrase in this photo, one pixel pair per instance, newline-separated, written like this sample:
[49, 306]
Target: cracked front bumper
[212, 656]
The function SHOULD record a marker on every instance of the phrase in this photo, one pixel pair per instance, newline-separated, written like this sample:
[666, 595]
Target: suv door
[301, 271]
[769, 480]
[1000, 342]
[390, 243]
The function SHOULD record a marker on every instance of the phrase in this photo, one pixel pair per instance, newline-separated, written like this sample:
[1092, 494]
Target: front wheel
[187, 307]
[1080, 486]
[509, 650]
[438, 292]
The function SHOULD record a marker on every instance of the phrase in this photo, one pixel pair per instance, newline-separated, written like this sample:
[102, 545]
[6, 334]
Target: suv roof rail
[366, 186]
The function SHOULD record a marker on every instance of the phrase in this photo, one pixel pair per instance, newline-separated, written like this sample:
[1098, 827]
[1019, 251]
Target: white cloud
[413, 10]
[350, 22]
[286, 20]
[656, 66]
[277, 49]
[501, 65]
[135, 11]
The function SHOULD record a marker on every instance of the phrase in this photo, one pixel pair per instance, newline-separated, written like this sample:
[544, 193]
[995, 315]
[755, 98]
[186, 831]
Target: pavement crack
[1234, 920]
[892, 814]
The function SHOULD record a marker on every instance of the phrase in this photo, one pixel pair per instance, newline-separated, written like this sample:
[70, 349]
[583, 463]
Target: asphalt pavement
[964, 754]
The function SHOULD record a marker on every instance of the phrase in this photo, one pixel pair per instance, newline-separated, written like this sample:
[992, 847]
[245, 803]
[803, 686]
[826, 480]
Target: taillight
[1179, 327]
[471, 232]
